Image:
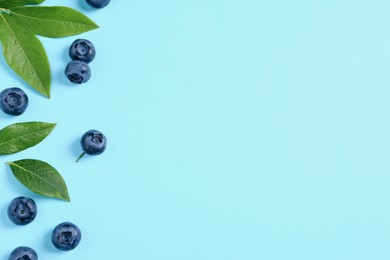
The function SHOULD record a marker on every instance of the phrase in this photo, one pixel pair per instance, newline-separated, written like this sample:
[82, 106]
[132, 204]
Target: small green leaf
[20, 136]
[53, 21]
[40, 177]
[24, 53]
[13, 3]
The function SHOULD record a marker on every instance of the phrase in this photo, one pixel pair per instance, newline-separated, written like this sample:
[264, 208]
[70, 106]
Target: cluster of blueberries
[22, 211]
[81, 52]
[14, 101]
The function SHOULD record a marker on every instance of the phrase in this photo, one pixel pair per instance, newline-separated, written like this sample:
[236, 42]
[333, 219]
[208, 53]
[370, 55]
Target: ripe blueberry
[78, 71]
[23, 253]
[93, 142]
[66, 236]
[13, 101]
[82, 49]
[22, 210]
[98, 3]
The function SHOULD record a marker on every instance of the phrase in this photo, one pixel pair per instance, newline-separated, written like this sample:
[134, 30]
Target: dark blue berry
[78, 71]
[23, 253]
[93, 142]
[22, 210]
[66, 236]
[98, 3]
[82, 49]
[13, 101]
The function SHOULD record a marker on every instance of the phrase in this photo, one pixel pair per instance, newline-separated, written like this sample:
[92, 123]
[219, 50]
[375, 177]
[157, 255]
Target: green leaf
[24, 53]
[20, 136]
[13, 3]
[40, 177]
[53, 21]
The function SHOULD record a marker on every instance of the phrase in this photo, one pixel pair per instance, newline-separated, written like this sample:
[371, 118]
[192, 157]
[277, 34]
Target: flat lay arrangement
[20, 22]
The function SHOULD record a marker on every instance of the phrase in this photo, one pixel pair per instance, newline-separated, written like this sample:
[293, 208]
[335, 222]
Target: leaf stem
[81, 155]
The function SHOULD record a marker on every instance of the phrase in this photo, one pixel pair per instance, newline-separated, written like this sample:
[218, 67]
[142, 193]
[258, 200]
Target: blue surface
[237, 130]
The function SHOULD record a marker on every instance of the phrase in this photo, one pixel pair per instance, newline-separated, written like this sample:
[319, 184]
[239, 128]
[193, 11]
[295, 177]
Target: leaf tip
[44, 93]
[65, 196]
[46, 90]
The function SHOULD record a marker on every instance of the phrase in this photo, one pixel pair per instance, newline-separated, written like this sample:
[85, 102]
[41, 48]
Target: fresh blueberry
[78, 71]
[93, 142]
[66, 236]
[13, 101]
[98, 3]
[82, 49]
[22, 210]
[23, 253]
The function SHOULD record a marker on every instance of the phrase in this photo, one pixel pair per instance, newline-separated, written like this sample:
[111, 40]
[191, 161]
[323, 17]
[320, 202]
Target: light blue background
[237, 130]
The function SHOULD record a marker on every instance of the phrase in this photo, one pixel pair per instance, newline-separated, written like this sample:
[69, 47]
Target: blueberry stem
[81, 155]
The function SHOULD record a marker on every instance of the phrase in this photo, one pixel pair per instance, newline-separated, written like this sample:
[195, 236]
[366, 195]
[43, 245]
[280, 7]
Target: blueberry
[78, 71]
[82, 49]
[22, 210]
[23, 253]
[93, 142]
[98, 3]
[66, 236]
[13, 101]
